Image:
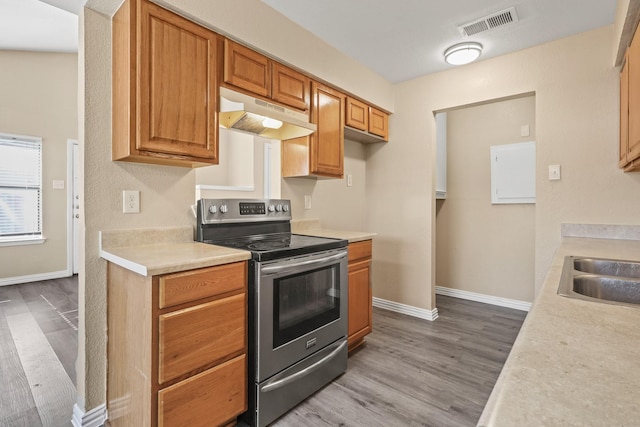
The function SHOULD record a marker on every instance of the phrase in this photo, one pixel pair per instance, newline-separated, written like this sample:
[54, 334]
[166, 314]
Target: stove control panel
[243, 210]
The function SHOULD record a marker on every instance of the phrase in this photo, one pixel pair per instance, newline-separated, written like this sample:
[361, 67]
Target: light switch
[349, 180]
[307, 202]
[130, 201]
[554, 172]
[524, 130]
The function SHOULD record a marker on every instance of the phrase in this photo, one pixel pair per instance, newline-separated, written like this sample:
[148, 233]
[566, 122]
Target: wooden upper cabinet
[632, 67]
[365, 118]
[327, 143]
[357, 114]
[165, 96]
[379, 123]
[246, 69]
[624, 112]
[253, 72]
[320, 154]
[290, 87]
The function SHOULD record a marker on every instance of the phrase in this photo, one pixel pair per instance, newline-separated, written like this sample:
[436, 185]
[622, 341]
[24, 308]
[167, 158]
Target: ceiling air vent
[489, 22]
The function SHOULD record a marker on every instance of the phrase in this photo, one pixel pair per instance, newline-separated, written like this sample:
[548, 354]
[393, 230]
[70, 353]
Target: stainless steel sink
[608, 281]
[607, 267]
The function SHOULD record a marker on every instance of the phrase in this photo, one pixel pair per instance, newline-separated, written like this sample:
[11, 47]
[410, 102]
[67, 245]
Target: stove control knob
[285, 208]
[223, 208]
[271, 208]
[213, 209]
[279, 208]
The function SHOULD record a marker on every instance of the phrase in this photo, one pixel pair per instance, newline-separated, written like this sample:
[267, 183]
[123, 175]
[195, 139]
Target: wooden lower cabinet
[360, 293]
[177, 360]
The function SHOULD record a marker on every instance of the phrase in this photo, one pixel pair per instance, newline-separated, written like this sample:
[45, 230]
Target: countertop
[574, 363]
[165, 250]
[171, 249]
[312, 227]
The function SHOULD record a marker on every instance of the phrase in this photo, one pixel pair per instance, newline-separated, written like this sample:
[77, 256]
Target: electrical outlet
[130, 201]
[307, 202]
[554, 172]
[349, 180]
[58, 184]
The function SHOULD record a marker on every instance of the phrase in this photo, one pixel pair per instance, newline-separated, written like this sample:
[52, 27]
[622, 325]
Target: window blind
[20, 186]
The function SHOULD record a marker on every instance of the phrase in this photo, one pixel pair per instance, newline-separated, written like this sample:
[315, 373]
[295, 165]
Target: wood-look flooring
[38, 351]
[413, 372]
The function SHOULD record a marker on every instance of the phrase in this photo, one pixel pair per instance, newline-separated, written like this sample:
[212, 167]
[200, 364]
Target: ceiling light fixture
[463, 53]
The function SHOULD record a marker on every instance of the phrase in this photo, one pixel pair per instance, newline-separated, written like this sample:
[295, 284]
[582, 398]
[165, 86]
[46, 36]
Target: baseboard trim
[34, 277]
[405, 309]
[94, 418]
[487, 299]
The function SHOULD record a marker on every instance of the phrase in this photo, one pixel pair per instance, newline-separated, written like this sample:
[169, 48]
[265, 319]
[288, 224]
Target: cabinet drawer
[192, 285]
[195, 336]
[211, 398]
[359, 250]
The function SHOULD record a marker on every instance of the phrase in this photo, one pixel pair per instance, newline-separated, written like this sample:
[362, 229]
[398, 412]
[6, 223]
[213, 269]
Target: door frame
[71, 249]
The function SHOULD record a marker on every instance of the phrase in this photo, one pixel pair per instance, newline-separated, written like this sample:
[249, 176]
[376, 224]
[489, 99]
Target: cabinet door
[379, 123]
[290, 87]
[633, 65]
[327, 143]
[360, 308]
[246, 69]
[624, 112]
[178, 98]
[357, 114]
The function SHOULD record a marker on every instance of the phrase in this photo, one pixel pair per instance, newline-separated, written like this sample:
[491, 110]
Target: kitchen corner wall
[483, 247]
[39, 97]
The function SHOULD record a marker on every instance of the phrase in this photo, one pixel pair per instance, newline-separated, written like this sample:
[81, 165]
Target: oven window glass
[304, 302]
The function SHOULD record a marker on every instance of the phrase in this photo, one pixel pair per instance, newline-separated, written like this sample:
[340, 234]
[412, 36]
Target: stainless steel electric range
[297, 301]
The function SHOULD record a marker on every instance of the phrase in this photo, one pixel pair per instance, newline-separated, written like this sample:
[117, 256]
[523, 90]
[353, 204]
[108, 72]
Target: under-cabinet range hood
[252, 115]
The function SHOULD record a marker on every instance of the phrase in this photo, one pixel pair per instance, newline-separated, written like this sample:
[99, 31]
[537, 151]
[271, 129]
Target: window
[20, 188]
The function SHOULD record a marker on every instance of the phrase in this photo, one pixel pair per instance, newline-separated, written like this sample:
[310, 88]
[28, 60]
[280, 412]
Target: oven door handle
[277, 268]
[276, 384]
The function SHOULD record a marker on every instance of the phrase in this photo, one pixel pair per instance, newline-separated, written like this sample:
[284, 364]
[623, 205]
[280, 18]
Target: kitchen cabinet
[630, 108]
[320, 154]
[165, 87]
[255, 73]
[365, 123]
[177, 346]
[360, 293]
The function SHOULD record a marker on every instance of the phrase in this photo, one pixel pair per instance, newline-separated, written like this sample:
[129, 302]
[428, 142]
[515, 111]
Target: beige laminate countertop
[313, 228]
[163, 250]
[574, 363]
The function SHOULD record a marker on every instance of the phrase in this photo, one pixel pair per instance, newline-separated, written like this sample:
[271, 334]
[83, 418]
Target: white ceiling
[403, 39]
[399, 39]
[37, 26]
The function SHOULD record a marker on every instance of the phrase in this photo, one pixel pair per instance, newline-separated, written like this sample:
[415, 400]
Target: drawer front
[207, 282]
[360, 250]
[211, 398]
[191, 338]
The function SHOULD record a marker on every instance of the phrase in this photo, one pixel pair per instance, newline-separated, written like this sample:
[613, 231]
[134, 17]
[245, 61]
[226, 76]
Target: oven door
[301, 308]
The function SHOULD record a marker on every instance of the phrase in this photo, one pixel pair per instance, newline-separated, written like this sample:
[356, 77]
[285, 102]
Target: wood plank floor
[413, 372]
[38, 351]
